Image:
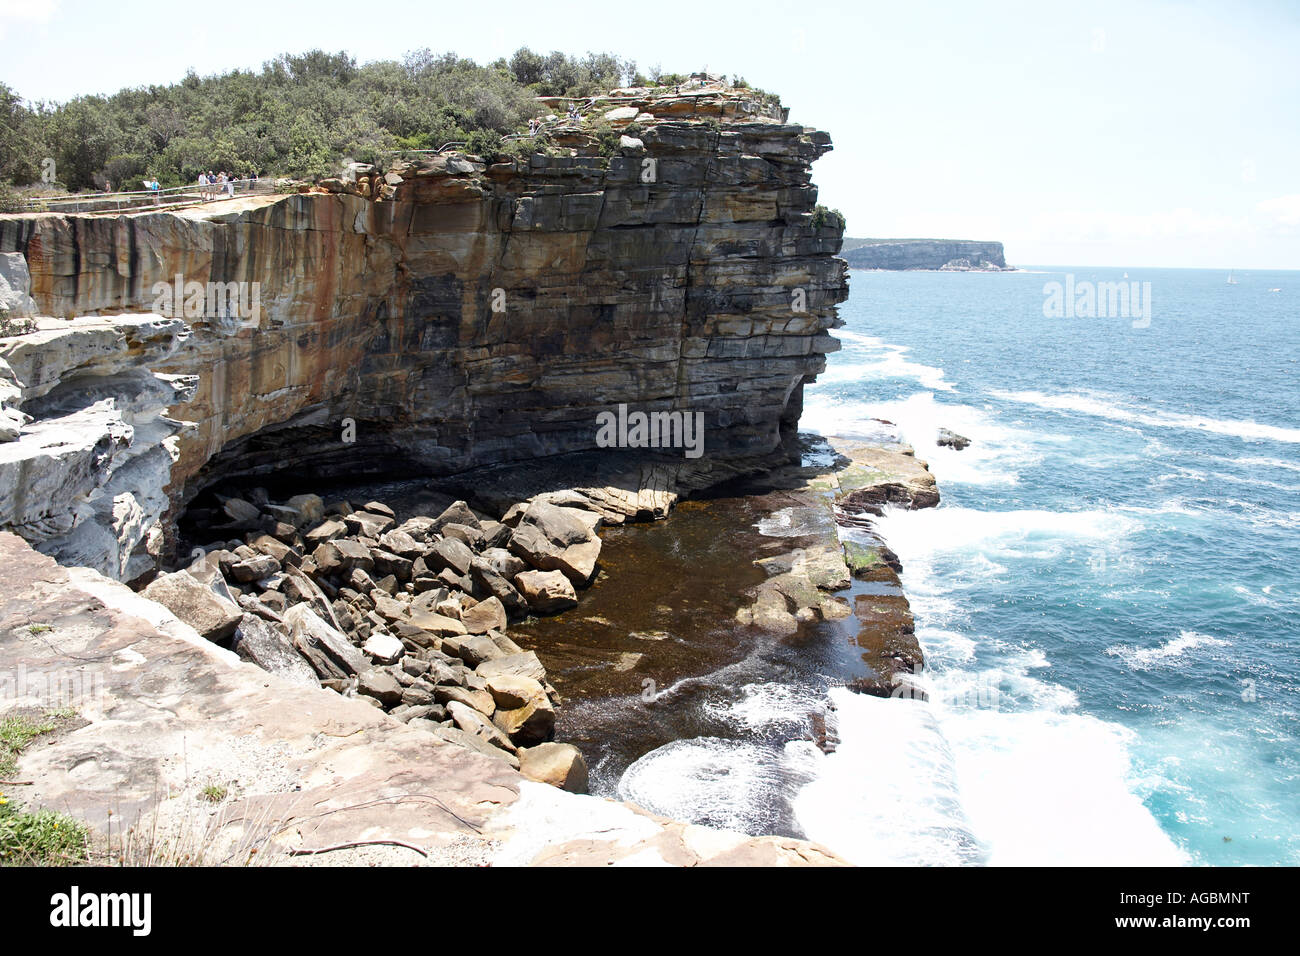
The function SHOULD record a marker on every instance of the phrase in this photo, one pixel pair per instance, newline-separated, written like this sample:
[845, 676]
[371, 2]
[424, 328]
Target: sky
[1094, 133]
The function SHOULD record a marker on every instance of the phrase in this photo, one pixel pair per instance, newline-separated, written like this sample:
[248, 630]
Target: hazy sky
[1092, 133]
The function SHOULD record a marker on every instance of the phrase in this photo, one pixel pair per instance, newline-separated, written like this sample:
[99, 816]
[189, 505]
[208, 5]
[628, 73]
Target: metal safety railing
[173, 197]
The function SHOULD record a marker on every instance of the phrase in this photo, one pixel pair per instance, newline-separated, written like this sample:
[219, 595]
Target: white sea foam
[725, 783]
[1143, 658]
[767, 706]
[977, 537]
[888, 795]
[1110, 407]
[867, 358]
[1265, 463]
[998, 766]
[1044, 788]
[994, 457]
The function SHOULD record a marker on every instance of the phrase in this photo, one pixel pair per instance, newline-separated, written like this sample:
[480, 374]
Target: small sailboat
[1126, 275]
[1231, 280]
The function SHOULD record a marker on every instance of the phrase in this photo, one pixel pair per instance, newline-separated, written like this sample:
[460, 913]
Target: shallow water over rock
[676, 706]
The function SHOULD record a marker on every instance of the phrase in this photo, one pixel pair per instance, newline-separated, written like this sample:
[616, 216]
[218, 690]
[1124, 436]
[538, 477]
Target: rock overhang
[455, 313]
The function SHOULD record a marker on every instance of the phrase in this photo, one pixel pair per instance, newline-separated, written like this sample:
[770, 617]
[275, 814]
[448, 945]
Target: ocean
[1107, 594]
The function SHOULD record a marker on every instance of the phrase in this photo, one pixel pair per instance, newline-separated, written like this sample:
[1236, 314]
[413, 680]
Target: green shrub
[823, 218]
[40, 837]
[299, 116]
[10, 199]
[485, 143]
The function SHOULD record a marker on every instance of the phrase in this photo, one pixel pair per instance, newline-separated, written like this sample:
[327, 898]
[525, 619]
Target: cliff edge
[432, 317]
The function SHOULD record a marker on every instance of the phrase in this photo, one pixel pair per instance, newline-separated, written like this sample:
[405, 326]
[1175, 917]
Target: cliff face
[947, 254]
[453, 314]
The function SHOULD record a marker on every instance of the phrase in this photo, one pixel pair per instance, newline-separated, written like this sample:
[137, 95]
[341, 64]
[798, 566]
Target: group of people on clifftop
[214, 185]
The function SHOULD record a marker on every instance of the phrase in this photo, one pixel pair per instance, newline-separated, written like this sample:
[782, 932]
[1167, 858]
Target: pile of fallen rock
[410, 617]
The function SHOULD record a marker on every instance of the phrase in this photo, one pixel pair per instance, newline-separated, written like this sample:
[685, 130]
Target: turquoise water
[1107, 594]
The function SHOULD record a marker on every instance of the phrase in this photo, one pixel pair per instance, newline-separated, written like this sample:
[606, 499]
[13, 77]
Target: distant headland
[946, 255]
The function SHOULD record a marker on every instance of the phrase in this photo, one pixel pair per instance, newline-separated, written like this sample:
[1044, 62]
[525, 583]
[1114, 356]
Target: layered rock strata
[463, 314]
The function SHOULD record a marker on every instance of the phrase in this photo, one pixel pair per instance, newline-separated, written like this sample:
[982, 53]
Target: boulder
[437, 624]
[454, 582]
[510, 691]
[503, 562]
[520, 665]
[366, 524]
[454, 735]
[262, 644]
[547, 592]
[552, 538]
[495, 534]
[419, 694]
[403, 544]
[484, 616]
[533, 723]
[275, 548]
[195, 603]
[308, 508]
[473, 649]
[450, 553]
[456, 513]
[254, 568]
[383, 648]
[472, 537]
[237, 509]
[352, 554]
[380, 685]
[476, 725]
[479, 700]
[770, 612]
[298, 588]
[387, 563]
[327, 530]
[499, 587]
[952, 440]
[421, 528]
[560, 765]
[326, 648]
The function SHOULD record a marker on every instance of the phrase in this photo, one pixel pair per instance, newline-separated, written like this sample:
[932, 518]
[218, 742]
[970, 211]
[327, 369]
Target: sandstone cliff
[453, 314]
[946, 254]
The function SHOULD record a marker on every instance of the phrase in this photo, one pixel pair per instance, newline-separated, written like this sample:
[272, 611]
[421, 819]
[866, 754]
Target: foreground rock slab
[164, 715]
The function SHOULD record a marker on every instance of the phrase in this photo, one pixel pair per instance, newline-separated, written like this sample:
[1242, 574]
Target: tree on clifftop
[300, 115]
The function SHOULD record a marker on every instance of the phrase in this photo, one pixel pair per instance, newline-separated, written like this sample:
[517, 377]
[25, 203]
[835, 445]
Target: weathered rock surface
[195, 603]
[547, 592]
[259, 643]
[85, 478]
[952, 440]
[560, 765]
[552, 538]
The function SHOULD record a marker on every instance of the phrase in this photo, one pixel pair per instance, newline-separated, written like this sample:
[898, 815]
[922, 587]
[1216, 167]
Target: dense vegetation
[299, 116]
